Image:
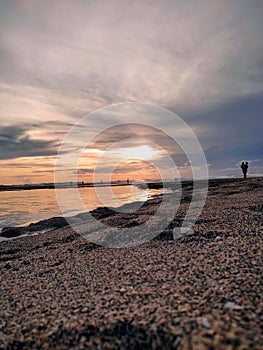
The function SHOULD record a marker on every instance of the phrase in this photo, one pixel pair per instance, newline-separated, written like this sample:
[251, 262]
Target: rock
[55, 222]
[179, 232]
[101, 212]
[232, 306]
[205, 322]
[165, 236]
[10, 232]
[15, 231]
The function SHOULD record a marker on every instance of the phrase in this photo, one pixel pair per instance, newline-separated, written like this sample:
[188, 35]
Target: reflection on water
[24, 207]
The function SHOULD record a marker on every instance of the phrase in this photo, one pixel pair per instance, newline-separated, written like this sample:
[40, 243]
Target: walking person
[244, 167]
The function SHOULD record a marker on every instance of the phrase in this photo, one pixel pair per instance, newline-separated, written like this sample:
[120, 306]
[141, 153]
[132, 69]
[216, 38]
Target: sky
[61, 60]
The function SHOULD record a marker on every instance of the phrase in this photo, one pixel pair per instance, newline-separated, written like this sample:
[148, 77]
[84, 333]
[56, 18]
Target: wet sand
[204, 291]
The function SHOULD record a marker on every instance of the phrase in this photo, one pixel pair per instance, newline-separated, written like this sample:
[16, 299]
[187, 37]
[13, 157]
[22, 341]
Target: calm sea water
[19, 208]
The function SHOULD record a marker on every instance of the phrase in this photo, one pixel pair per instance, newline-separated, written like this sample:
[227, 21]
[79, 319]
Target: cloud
[134, 135]
[233, 131]
[15, 143]
[111, 51]
[125, 167]
[62, 60]
[83, 171]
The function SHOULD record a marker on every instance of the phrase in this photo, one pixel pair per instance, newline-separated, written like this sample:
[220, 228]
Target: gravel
[204, 291]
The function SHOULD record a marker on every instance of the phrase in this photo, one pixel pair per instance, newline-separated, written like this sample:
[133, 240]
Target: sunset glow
[144, 152]
[201, 63]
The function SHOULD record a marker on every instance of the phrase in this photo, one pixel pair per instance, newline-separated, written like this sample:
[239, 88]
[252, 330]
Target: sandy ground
[204, 291]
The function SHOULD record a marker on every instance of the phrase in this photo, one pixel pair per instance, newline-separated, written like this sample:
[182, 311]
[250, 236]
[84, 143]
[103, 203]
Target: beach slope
[204, 291]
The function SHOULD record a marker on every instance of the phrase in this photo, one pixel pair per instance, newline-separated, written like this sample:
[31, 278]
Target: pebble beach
[200, 292]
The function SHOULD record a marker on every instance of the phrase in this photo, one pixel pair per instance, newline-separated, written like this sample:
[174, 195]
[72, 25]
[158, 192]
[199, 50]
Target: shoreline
[56, 222]
[154, 184]
[52, 186]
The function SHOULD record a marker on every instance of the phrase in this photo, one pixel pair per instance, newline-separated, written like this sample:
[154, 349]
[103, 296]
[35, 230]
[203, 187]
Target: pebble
[232, 306]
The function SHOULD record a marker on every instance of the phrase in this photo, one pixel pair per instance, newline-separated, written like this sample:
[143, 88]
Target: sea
[20, 208]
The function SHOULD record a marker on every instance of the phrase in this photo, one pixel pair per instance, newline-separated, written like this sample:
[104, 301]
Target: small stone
[205, 322]
[232, 306]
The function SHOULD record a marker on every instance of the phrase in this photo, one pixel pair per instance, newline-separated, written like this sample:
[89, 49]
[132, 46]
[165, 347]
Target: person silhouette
[244, 167]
